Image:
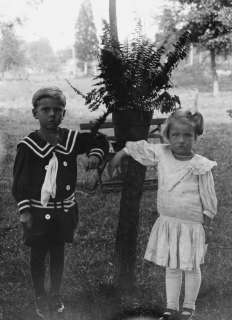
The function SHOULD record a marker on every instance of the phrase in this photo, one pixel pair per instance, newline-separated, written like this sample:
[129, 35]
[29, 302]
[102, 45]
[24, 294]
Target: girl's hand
[26, 219]
[208, 228]
[115, 162]
[207, 221]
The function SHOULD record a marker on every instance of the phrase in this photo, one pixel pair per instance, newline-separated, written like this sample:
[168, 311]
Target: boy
[45, 173]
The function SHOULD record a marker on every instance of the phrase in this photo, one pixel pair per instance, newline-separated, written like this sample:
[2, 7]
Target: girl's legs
[173, 287]
[192, 287]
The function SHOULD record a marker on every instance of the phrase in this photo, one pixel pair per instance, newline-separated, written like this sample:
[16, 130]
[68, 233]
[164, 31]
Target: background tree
[210, 22]
[168, 27]
[41, 56]
[86, 41]
[11, 49]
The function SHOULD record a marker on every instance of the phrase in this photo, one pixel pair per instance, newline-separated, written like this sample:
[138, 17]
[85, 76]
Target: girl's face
[49, 112]
[181, 138]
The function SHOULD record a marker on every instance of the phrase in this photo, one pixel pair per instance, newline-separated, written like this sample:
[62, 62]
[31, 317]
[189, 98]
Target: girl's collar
[184, 157]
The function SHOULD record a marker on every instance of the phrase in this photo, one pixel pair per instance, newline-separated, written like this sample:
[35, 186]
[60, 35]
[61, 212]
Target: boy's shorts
[51, 225]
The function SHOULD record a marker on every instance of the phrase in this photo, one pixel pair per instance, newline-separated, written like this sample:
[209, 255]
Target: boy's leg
[192, 287]
[38, 255]
[56, 267]
[56, 273]
[173, 287]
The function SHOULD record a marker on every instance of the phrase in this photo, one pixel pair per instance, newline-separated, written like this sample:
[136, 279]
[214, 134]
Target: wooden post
[133, 175]
[113, 21]
[129, 125]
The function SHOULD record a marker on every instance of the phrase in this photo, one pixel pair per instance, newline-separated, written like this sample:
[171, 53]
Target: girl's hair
[195, 120]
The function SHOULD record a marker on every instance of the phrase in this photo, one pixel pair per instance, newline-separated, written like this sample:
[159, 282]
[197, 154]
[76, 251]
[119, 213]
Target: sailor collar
[43, 148]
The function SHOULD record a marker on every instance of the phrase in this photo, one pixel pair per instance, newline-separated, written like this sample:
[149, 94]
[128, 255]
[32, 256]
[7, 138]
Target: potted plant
[134, 79]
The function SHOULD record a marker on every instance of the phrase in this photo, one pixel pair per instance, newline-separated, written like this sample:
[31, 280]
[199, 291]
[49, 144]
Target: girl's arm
[208, 196]
[142, 151]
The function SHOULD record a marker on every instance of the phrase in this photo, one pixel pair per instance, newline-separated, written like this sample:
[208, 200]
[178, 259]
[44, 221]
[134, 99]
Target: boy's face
[49, 112]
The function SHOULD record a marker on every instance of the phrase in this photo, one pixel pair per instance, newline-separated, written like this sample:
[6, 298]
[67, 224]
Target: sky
[55, 19]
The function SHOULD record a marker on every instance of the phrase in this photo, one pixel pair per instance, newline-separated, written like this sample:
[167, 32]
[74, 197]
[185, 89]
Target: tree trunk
[129, 125]
[85, 68]
[133, 175]
[191, 55]
[113, 21]
[126, 239]
[214, 73]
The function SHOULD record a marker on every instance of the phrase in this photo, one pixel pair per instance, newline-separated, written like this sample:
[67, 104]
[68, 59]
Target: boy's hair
[48, 92]
[195, 120]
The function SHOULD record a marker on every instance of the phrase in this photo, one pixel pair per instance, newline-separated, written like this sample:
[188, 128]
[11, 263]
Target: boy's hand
[92, 162]
[91, 179]
[26, 219]
[115, 162]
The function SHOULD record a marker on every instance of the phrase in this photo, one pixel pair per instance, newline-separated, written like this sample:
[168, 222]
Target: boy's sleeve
[92, 145]
[21, 176]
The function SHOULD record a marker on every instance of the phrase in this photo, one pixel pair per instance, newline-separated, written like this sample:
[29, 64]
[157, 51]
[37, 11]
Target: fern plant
[135, 76]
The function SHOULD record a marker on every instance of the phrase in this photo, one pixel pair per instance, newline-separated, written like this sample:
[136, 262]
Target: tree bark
[113, 21]
[85, 68]
[191, 55]
[129, 126]
[214, 73]
[133, 175]
[126, 240]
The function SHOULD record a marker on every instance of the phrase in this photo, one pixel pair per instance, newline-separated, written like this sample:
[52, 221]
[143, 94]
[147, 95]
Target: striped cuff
[208, 214]
[97, 153]
[23, 205]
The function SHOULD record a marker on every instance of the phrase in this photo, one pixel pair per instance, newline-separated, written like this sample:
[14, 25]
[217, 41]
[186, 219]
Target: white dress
[185, 193]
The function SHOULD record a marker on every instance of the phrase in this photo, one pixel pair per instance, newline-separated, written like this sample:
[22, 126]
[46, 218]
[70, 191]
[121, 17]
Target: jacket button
[47, 216]
[68, 187]
[65, 164]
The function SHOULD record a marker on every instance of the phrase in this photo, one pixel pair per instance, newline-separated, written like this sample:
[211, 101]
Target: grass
[89, 267]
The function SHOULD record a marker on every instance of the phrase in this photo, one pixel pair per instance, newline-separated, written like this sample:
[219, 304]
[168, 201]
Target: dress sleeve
[145, 153]
[208, 194]
[21, 178]
[92, 145]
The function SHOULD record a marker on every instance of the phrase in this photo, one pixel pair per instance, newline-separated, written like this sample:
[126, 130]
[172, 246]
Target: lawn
[89, 268]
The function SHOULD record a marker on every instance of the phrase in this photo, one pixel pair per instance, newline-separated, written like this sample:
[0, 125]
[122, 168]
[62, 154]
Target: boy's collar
[43, 148]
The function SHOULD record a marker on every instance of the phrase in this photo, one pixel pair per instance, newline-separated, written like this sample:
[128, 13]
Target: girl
[186, 202]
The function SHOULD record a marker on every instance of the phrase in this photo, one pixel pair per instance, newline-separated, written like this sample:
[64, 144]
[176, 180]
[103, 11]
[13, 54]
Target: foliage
[210, 22]
[41, 55]
[64, 55]
[135, 76]
[168, 26]
[11, 52]
[86, 41]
